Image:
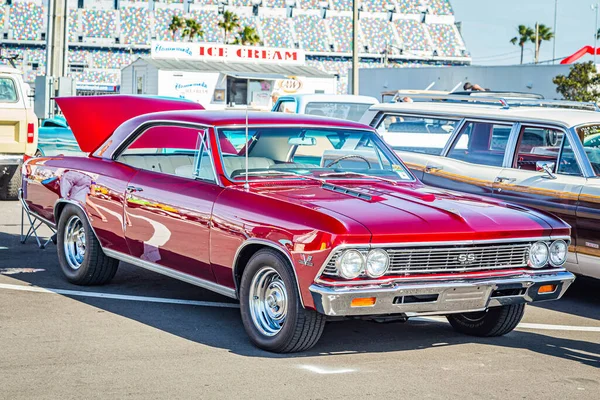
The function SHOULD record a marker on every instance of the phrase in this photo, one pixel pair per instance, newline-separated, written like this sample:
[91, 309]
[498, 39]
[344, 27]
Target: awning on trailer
[239, 70]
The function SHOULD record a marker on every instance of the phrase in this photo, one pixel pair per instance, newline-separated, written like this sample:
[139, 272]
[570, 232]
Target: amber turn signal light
[363, 302]
[546, 289]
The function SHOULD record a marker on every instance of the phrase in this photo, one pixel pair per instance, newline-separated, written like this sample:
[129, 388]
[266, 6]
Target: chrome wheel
[74, 242]
[268, 301]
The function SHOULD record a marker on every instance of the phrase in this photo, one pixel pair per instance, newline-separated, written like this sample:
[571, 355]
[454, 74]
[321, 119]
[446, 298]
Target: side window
[417, 134]
[287, 106]
[8, 91]
[538, 146]
[481, 143]
[173, 150]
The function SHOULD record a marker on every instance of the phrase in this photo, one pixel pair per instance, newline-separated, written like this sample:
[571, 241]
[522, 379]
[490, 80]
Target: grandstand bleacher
[102, 39]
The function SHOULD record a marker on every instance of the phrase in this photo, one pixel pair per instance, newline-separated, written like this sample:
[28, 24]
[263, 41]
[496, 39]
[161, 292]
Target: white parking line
[77, 293]
[113, 296]
[525, 325]
[326, 371]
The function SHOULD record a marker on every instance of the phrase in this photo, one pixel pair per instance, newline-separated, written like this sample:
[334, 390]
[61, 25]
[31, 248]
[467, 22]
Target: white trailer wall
[519, 78]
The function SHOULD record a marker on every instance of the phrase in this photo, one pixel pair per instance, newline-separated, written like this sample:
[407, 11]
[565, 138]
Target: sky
[488, 26]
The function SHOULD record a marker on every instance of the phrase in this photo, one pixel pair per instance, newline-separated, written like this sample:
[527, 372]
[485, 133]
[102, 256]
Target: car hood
[416, 213]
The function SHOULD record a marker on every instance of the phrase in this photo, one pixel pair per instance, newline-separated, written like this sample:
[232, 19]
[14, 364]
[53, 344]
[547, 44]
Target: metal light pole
[595, 8]
[355, 46]
[554, 40]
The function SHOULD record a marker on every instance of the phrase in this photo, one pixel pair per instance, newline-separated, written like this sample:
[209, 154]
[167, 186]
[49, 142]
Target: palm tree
[248, 36]
[526, 34]
[229, 24]
[544, 34]
[193, 29]
[176, 24]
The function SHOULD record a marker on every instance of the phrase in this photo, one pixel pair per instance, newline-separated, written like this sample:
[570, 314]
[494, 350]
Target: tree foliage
[192, 29]
[525, 35]
[248, 37]
[582, 83]
[176, 24]
[229, 23]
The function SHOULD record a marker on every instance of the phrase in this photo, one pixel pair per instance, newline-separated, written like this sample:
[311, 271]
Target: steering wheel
[347, 156]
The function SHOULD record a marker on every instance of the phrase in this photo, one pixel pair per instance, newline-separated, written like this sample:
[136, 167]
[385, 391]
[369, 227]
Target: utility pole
[554, 40]
[56, 39]
[355, 46]
[537, 42]
[595, 8]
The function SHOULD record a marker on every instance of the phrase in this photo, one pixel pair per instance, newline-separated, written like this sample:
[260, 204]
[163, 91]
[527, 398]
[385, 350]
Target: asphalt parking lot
[148, 336]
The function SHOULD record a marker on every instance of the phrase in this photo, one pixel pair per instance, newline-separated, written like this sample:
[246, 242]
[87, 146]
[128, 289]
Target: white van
[18, 130]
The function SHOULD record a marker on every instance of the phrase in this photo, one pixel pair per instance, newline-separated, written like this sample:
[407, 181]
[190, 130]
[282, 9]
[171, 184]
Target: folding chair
[35, 223]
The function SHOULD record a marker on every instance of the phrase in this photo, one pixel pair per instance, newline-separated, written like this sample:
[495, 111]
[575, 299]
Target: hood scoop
[344, 190]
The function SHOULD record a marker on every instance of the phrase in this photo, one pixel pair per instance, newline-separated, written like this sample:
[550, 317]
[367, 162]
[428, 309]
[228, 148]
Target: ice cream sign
[231, 53]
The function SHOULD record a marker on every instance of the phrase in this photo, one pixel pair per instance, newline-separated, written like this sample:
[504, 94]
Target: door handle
[132, 189]
[433, 168]
[502, 179]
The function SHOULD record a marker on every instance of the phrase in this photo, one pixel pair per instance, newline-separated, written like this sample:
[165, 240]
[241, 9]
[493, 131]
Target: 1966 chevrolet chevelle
[303, 219]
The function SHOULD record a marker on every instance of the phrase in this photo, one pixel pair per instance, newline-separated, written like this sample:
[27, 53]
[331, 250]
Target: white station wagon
[540, 154]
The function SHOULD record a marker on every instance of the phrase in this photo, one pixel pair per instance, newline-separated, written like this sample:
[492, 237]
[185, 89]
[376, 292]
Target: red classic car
[303, 219]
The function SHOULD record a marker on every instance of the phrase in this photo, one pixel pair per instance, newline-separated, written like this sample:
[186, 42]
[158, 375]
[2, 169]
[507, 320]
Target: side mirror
[546, 167]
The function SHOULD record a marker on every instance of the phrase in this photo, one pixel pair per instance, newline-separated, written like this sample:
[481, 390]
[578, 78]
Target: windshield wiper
[333, 174]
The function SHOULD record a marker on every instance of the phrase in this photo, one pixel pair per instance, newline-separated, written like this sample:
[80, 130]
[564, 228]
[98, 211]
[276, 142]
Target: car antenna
[246, 184]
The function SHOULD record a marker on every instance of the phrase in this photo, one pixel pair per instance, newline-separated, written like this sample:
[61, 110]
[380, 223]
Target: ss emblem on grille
[466, 259]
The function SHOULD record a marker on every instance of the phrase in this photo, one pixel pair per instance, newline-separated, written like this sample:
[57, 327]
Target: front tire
[271, 310]
[81, 259]
[496, 321]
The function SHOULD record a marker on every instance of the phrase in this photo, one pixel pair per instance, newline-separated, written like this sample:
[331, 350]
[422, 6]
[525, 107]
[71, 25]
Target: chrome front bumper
[442, 296]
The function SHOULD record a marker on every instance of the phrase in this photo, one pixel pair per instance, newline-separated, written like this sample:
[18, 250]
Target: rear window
[347, 111]
[8, 91]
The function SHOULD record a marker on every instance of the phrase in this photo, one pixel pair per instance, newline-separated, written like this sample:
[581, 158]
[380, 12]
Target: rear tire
[81, 258]
[10, 190]
[496, 321]
[272, 313]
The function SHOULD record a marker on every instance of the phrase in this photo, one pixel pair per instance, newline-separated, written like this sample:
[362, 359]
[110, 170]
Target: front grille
[450, 259]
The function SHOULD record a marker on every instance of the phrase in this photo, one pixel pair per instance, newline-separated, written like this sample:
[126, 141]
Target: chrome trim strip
[511, 147]
[76, 204]
[368, 246]
[273, 245]
[138, 130]
[582, 159]
[457, 131]
[212, 286]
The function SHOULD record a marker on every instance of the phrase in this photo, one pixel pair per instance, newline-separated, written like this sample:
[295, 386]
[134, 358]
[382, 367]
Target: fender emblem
[306, 260]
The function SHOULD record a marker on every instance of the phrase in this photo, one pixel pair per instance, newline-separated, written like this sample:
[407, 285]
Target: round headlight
[378, 262]
[350, 264]
[538, 255]
[558, 252]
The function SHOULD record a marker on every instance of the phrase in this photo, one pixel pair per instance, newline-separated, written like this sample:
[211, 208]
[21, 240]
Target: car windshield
[590, 137]
[308, 153]
[347, 111]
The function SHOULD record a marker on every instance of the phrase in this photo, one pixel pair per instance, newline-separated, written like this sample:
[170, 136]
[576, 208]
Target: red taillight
[30, 132]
